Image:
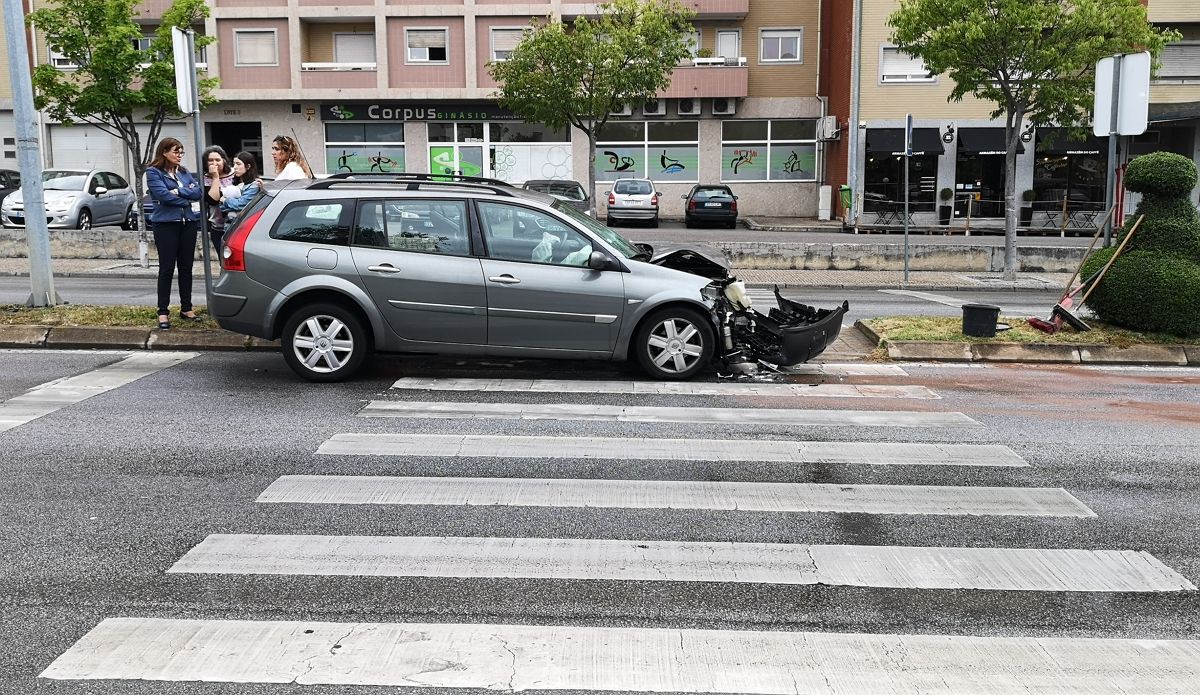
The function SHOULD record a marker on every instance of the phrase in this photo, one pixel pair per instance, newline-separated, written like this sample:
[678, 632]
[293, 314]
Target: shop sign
[415, 111]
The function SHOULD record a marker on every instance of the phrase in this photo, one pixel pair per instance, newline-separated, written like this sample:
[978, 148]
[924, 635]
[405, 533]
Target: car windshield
[632, 187]
[618, 242]
[567, 190]
[57, 180]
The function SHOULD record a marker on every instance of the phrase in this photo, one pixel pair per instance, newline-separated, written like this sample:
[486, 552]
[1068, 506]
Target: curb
[756, 227]
[1035, 353]
[131, 338]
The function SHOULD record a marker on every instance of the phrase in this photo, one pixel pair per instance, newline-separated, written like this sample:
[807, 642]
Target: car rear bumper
[712, 214]
[632, 213]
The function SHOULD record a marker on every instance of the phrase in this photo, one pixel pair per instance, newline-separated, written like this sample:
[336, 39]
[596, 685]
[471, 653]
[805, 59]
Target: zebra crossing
[511, 657]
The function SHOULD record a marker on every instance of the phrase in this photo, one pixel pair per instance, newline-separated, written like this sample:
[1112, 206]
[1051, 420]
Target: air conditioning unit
[827, 128]
[724, 106]
[689, 107]
[623, 111]
[654, 107]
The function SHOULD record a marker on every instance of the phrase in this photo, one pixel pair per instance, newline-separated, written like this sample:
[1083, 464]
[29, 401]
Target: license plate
[712, 205]
[635, 203]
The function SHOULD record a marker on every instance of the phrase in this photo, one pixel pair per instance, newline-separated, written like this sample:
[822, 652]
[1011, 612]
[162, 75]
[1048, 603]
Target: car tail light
[733, 206]
[691, 203]
[654, 200]
[233, 255]
[612, 199]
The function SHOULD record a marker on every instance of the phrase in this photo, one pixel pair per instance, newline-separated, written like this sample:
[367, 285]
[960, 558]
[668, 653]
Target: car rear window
[633, 188]
[569, 191]
[315, 222]
[705, 193]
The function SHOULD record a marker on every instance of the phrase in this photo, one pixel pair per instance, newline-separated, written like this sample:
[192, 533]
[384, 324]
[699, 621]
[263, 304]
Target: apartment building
[958, 158]
[402, 85]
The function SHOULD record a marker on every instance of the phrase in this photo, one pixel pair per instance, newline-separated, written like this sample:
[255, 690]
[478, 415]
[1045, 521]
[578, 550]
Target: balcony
[703, 80]
[338, 75]
[704, 9]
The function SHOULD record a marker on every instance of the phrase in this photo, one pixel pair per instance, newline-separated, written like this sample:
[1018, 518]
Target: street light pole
[41, 275]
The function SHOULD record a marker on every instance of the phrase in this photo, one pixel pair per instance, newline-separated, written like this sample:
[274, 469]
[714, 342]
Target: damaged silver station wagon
[418, 263]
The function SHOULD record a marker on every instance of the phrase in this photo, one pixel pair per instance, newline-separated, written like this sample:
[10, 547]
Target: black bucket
[979, 320]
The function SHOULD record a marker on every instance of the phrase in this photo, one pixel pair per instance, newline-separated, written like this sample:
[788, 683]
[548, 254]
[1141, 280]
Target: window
[780, 45]
[377, 147]
[414, 225]
[1180, 61]
[427, 45]
[658, 150]
[60, 61]
[514, 233]
[729, 44]
[775, 150]
[354, 48]
[253, 47]
[113, 182]
[694, 41]
[504, 42]
[897, 66]
[315, 222]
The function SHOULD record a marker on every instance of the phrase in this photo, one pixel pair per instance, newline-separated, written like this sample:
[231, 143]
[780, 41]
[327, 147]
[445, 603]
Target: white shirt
[291, 171]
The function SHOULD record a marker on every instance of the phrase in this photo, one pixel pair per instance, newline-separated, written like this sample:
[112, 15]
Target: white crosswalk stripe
[631, 659]
[645, 448]
[544, 657]
[617, 413]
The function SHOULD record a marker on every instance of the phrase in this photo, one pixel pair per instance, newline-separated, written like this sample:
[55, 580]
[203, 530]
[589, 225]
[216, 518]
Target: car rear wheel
[85, 219]
[130, 219]
[324, 342]
[674, 343]
[654, 222]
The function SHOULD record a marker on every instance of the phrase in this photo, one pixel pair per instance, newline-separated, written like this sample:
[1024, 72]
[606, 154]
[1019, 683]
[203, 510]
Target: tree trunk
[591, 177]
[1012, 130]
[139, 190]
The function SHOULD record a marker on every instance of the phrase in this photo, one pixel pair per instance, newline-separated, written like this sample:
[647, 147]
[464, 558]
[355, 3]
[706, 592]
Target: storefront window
[659, 150]
[526, 132]
[774, 150]
[511, 151]
[884, 177]
[364, 147]
[1070, 170]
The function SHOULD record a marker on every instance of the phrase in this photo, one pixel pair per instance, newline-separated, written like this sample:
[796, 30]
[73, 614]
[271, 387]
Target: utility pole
[41, 275]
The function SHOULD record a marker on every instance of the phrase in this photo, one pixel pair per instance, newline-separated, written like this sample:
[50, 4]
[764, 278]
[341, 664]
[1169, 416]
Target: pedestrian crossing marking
[896, 567]
[845, 369]
[51, 396]
[645, 449]
[621, 659]
[674, 388]
[618, 413]
[671, 494]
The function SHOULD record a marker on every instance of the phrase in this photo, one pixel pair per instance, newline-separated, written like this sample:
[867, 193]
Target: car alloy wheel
[130, 219]
[674, 343]
[324, 342]
[85, 219]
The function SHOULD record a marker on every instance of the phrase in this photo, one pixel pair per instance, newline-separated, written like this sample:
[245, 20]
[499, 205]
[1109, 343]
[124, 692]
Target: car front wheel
[85, 219]
[324, 342]
[674, 343]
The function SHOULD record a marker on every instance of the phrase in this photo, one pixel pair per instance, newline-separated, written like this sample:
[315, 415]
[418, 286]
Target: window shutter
[901, 67]
[354, 48]
[256, 48]
[1180, 60]
[427, 38]
[505, 40]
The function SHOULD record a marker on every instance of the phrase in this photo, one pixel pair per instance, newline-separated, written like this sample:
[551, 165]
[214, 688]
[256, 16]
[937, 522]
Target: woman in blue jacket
[176, 215]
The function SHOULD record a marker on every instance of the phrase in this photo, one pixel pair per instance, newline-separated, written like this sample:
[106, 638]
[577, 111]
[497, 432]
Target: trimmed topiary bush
[1155, 284]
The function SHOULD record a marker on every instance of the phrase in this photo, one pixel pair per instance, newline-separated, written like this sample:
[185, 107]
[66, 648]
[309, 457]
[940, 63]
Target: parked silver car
[633, 200]
[571, 192]
[418, 263]
[77, 200]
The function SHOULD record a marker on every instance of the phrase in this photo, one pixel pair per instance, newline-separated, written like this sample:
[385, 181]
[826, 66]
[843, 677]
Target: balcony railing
[719, 62]
[337, 67]
[708, 81]
[704, 9]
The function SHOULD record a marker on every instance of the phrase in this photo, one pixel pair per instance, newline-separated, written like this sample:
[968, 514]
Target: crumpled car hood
[697, 259]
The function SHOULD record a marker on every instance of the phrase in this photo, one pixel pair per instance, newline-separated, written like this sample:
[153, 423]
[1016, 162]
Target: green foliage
[1029, 195]
[1164, 174]
[576, 75]
[1148, 291]
[946, 194]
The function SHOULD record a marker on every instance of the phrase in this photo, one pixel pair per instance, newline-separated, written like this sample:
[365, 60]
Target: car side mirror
[683, 197]
[608, 193]
[735, 197]
[600, 261]
[100, 190]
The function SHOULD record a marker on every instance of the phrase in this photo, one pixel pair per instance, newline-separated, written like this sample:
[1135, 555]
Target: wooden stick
[1108, 265]
[1095, 238]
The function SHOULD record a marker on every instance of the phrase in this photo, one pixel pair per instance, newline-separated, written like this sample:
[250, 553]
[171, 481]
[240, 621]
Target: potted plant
[946, 208]
[704, 53]
[1027, 207]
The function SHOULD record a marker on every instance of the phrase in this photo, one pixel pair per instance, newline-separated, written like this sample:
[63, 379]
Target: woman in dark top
[247, 184]
[218, 173]
[176, 195]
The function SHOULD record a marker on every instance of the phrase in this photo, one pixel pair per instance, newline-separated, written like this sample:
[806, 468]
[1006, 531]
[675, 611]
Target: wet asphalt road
[101, 497]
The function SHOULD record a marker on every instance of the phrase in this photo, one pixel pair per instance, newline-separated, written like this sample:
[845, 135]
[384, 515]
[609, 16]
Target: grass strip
[90, 315]
[948, 329]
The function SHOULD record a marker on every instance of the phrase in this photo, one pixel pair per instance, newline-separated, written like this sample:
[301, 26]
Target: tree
[116, 84]
[577, 76]
[1034, 59]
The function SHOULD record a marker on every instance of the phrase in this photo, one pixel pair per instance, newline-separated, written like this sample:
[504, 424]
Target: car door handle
[504, 280]
[385, 268]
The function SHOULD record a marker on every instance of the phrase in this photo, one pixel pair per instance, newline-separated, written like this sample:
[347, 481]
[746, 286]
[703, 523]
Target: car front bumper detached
[788, 334]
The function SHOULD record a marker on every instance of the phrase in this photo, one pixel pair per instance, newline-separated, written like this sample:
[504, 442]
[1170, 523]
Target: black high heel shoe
[193, 317]
[163, 325]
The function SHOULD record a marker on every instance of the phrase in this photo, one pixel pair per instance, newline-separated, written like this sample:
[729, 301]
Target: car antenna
[296, 139]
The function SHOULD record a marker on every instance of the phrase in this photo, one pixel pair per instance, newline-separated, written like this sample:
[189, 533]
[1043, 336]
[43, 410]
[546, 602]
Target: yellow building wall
[318, 39]
[5, 82]
[767, 80]
[1173, 11]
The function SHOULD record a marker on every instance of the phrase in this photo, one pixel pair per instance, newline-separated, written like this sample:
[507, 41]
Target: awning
[1183, 111]
[984, 141]
[1053, 141]
[891, 141]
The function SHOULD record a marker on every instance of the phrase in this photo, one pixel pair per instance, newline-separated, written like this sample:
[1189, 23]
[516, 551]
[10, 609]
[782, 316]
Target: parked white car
[77, 199]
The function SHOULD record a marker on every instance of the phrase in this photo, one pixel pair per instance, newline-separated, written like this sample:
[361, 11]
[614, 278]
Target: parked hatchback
[710, 204]
[77, 199]
[570, 192]
[633, 200]
[355, 263]
[9, 181]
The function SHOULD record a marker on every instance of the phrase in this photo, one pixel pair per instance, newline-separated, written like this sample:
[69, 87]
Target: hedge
[1161, 174]
[1147, 291]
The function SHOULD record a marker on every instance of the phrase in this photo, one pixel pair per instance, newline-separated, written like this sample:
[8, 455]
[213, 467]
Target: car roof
[414, 185]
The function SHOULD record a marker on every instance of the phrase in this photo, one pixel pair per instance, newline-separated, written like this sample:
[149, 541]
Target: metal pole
[1110, 192]
[41, 274]
[852, 126]
[906, 161]
[199, 138]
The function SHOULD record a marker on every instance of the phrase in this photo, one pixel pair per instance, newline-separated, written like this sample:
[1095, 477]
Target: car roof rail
[413, 179]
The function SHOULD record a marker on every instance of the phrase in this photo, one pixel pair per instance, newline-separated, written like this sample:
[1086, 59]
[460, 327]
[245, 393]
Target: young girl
[247, 184]
[218, 173]
[176, 195]
[289, 163]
